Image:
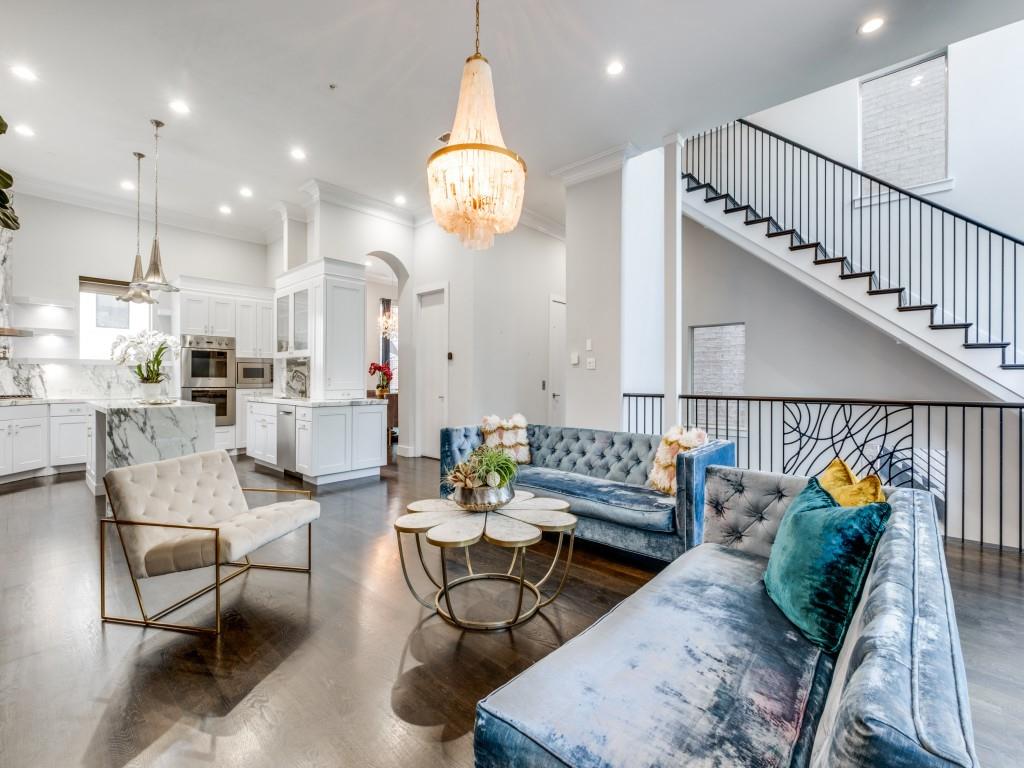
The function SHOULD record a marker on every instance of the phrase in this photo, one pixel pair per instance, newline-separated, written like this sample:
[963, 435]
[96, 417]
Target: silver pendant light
[135, 294]
[155, 279]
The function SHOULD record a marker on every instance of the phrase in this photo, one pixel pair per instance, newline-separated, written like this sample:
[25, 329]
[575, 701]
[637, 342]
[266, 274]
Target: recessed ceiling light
[22, 72]
[367, 262]
[24, 130]
[871, 25]
[180, 107]
[127, 186]
[916, 81]
[245, 191]
[399, 199]
[298, 153]
[614, 67]
[225, 209]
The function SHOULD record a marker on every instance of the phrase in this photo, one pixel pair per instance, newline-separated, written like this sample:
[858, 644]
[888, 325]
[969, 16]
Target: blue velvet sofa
[602, 475]
[700, 668]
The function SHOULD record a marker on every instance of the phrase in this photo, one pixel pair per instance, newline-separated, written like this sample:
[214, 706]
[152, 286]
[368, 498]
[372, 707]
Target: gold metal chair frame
[153, 620]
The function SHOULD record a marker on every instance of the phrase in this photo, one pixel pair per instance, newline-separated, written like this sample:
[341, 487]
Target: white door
[222, 317]
[245, 329]
[431, 370]
[195, 315]
[264, 329]
[556, 362]
[30, 441]
[69, 438]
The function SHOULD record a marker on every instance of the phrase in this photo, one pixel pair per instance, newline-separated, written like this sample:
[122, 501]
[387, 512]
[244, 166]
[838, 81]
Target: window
[903, 124]
[718, 356]
[102, 318]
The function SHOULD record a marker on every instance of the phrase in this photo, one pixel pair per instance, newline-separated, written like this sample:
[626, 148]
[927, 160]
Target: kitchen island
[324, 441]
[128, 432]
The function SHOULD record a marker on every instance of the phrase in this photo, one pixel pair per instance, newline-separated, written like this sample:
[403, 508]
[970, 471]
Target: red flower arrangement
[383, 373]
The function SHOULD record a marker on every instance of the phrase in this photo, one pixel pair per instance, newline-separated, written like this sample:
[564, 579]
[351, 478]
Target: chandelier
[387, 322]
[135, 294]
[476, 183]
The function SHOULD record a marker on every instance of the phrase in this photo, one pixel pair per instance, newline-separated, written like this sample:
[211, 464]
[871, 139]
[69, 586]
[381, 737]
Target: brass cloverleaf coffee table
[516, 526]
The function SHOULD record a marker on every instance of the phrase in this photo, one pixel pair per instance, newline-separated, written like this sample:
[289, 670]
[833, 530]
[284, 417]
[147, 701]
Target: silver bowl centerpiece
[484, 498]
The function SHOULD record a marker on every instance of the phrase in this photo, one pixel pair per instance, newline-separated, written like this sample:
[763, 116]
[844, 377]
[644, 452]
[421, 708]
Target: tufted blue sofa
[602, 475]
[699, 667]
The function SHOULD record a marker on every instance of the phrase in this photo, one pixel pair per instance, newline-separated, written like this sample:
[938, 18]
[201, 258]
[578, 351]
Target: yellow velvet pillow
[838, 479]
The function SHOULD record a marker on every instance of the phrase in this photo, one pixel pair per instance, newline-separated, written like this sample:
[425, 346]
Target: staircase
[939, 281]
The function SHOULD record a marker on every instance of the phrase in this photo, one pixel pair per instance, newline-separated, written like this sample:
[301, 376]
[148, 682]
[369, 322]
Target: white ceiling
[256, 74]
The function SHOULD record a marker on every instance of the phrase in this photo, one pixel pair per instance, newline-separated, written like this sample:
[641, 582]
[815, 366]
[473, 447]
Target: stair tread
[803, 246]
[1013, 366]
[947, 326]
[854, 275]
[714, 198]
[759, 220]
[987, 345]
[879, 291]
[782, 232]
[917, 307]
[830, 260]
[736, 208]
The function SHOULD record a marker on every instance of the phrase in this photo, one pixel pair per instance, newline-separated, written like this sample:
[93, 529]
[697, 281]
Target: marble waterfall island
[128, 432]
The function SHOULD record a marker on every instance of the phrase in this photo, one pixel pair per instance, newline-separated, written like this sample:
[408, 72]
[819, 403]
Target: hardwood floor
[341, 668]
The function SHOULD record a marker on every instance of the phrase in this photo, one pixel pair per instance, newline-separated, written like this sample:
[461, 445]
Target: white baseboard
[406, 451]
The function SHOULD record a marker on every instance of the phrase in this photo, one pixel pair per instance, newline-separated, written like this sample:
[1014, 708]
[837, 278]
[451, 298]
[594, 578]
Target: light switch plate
[590, 345]
[591, 364]
[574, 358]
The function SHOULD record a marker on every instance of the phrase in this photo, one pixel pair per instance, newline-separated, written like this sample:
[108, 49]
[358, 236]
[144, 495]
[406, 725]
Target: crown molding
[99, 201]
[291, 211]
[596, 165]
[528, 218]
[323, 191]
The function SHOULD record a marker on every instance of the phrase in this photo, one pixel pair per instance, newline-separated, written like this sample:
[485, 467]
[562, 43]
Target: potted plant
[383, 373]
[484, 481]
[145, 351]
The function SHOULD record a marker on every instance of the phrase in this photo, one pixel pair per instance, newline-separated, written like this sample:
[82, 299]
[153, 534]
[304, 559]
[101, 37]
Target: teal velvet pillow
[820, 558]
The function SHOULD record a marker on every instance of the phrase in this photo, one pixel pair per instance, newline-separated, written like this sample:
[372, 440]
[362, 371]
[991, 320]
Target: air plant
[486, 466]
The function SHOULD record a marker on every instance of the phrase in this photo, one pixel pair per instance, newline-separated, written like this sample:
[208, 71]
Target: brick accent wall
[903, 124]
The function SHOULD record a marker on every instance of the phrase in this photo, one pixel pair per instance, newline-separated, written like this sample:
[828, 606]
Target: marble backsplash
[92, 381]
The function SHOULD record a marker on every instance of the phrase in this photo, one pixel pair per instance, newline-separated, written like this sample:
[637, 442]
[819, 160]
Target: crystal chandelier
[387, 322]
[476, 183]
[155, 279]
[135, 294]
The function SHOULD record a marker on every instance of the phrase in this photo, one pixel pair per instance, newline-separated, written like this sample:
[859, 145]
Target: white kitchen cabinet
[205, 315]
[246, 329]
[242, 397]
[304, 447]
[30, 444]
[344, 366]
[283, 327]
[369, 436]
[224, 438]
[261, 438]
[265, 329]
[332, 441]
[6, 447]
[294, 331]
[195, 314]
[69, 439]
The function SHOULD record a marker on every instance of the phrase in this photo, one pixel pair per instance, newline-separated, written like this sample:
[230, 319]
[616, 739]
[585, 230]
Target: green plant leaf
[6, 180]
[5, 199]
[3, 126]
[9, 220]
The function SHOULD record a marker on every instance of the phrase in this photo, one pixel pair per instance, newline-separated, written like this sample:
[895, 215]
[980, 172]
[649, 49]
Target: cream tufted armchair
[190, 512]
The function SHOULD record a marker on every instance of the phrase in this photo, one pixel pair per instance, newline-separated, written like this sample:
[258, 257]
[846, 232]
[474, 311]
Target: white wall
[498, 318]
[797, 342]
[58, 242]
[275, 260]
[643, 258]
[593, 238]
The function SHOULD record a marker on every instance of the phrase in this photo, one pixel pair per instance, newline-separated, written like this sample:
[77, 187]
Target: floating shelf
[38, 331]
[38, 302]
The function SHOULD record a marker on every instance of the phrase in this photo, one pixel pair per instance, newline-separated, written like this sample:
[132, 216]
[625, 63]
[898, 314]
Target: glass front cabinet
[293, 322]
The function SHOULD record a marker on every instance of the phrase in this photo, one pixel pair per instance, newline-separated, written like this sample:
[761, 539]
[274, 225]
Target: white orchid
[145, 351]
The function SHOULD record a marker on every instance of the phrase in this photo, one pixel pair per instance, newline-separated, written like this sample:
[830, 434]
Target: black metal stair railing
[967, 275]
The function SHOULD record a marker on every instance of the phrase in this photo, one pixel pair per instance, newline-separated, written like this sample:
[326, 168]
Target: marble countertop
[300, 403]
[131, 404]
[42, 400]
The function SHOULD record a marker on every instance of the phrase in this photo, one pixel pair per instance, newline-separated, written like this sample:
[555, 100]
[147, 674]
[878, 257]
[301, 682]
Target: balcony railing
[968, 454]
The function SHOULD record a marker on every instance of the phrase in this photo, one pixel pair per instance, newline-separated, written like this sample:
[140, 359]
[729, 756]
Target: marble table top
[134, 404]
[519, 523]
[304, 403]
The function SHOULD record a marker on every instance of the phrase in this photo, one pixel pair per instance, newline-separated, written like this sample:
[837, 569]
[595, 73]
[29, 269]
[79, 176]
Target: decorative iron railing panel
[969, 455]
[971, 272]
[643, 413]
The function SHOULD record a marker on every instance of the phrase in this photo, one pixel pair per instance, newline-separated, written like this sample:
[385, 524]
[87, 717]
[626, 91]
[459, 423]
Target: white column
[293, 236]
[676, 343]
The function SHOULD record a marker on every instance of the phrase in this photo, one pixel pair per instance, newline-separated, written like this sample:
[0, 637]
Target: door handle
[555, 394]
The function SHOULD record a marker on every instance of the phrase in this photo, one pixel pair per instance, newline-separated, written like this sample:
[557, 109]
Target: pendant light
[155, 279]
[135, 294]
[476, 183]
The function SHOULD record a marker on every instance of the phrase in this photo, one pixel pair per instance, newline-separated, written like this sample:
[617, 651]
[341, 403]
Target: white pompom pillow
[508, 434]
[663, 472]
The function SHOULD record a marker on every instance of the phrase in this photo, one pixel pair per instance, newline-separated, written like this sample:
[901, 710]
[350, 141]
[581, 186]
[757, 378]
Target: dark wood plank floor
[342, 668]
